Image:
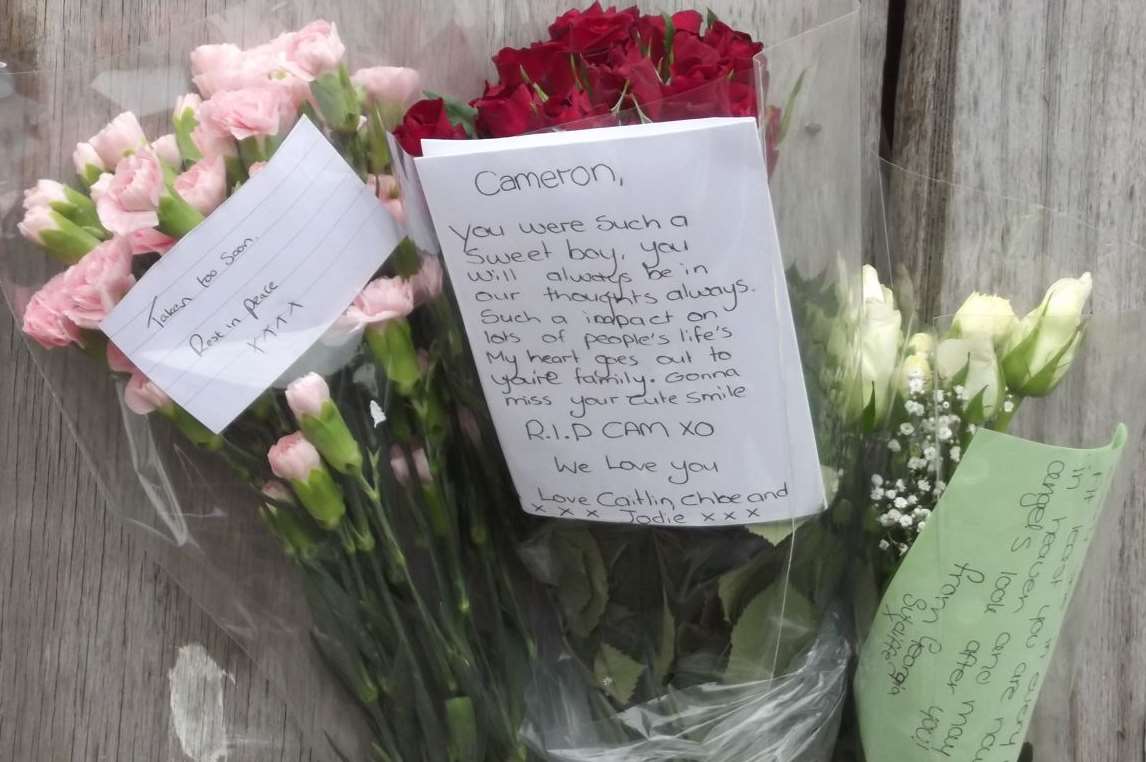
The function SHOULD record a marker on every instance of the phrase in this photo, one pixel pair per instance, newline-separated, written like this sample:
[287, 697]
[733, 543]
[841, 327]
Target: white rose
[1042, 347]
[976, 354]
[985, 315]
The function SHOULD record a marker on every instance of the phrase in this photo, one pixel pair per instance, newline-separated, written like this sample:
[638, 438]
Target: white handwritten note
[249, 290]
[624, 298]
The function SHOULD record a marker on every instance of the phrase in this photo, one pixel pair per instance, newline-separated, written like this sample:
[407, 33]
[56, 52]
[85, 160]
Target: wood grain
[1039, 102]
[90, 623]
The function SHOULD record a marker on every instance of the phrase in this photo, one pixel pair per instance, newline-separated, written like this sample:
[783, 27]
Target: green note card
[956, 657]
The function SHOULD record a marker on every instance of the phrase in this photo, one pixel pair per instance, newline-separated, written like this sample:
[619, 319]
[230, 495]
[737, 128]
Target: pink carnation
[314, 50]
[204, 186]
[131, 198]
[167, 149]
[148, 240]
[98, 282]
[427, 282]
[246, 113]
[121, 136]
[293, 458]
[142, 397]
[382, 299]
[45, 320]
[117, 361]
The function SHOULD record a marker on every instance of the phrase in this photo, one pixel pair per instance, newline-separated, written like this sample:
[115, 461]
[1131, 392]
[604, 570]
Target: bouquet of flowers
[705, 644]
[976, 538]
[463, 629]
[367, 472]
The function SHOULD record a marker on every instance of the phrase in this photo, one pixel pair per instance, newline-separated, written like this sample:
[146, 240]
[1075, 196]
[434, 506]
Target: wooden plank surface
[1041, 101]
[90, 626]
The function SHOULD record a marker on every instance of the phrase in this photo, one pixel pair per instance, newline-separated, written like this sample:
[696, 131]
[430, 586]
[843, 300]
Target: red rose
[547, 64]
[735, 47]
[506, 111]
[651, 31]
[575, 111]
[593, 31]
[426, 119]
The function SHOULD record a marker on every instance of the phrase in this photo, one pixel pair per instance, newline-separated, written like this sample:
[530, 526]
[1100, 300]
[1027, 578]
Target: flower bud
[972, 363]
[69, 202]
[323, 424]
[63, 238]
[142, 397]
[915, 375]
[880, 338]
[167, 149]
[295, 459]
[1042, 347]
[390, 88]
[89, 166]
[921, 344]
[392, 346]
[985, 315]
[296, 537]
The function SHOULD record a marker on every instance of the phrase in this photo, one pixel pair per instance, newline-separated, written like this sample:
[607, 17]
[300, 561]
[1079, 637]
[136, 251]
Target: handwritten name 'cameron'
[490, 183]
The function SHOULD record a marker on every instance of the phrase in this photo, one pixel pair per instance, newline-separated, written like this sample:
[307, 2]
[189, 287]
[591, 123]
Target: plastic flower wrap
[357, 462]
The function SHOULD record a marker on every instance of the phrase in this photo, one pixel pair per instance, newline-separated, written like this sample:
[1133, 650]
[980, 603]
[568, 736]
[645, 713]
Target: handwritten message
[240, 298]
[623, 294]
[956, 657]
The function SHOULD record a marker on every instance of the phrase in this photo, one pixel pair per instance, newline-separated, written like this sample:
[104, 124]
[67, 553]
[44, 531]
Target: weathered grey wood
[89, 623]
[1041, 101]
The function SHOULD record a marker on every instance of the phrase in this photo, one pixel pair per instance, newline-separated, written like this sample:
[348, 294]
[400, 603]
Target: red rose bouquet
[601, 67]
[689, 643]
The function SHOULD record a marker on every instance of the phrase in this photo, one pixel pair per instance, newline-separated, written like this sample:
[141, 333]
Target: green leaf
[463, 744]
[775, 532]
[774, 627]
[406, 260]
[583, 585]
[790, 106]
[710, 17]
[617, 673]
[738, 586]
[458, 112]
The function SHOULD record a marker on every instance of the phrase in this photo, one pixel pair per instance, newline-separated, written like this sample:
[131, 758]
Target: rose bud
[914, 375]
[879, 351]
[322, 423]
[985, 315]
[921, 344]
[204, 185]
[167, 149]
[391, 89]
[972, 363]
[1042, 346]
[142, 397]
[89, 166]
[63, 238]
[296, 460]
[122, 136]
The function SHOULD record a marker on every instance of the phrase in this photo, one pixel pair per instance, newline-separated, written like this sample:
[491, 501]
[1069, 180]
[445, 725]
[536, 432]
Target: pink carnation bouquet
[367, 465]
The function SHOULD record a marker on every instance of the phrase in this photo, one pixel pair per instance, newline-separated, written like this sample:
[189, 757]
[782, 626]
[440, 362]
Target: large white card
[623, 293]
[248, 291]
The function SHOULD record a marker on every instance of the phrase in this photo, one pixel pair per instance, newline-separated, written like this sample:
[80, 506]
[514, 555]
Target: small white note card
[243, 295]
[624, 297]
